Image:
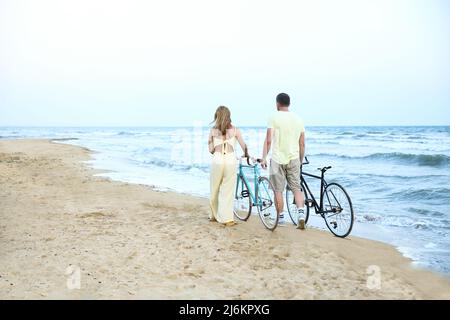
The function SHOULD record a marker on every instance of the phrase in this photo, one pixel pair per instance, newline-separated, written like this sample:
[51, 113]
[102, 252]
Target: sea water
[398, 177]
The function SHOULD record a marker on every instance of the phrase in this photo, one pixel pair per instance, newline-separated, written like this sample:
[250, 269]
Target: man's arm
[266, 147]
[301, 143]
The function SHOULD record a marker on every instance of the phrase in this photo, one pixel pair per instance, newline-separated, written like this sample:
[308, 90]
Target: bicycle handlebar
[251, 161]
[306, 161]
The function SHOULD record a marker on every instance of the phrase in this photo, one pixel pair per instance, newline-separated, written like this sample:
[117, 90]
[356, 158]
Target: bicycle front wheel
[242, 201]
[338, 215]
[266, 204]
[292, 207]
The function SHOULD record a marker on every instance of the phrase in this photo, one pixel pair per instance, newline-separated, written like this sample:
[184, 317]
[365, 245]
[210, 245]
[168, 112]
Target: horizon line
[204, 126]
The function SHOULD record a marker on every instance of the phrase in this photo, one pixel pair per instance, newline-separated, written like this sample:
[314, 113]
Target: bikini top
[230, 142]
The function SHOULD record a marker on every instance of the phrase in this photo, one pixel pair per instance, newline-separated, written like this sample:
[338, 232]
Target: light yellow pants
[223, 186]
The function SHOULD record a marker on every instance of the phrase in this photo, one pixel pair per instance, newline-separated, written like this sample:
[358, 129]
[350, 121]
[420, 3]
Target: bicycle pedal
[245, 194]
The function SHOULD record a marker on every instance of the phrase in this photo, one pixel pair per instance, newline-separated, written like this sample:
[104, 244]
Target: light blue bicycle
[262, 195]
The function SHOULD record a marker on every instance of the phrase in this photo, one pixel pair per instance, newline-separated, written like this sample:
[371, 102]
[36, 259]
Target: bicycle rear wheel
[266, 204]
[242, 201]
[292, 207]
[340, 217]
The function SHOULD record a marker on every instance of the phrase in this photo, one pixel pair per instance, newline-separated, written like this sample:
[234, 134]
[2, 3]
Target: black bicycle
[334, 206]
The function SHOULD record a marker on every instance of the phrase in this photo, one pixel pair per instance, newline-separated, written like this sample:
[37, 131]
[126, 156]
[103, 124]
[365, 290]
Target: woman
[221, 143]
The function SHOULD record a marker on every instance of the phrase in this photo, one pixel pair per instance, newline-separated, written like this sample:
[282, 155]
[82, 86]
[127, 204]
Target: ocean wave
[392, 176]
[322, 141]
[370, 218]
[425, 212]
[159, 163]
[148, 150]
[430, 160]
[177, 166]
[422, 194]
[126, 133]
[406, 222]
[346, 133]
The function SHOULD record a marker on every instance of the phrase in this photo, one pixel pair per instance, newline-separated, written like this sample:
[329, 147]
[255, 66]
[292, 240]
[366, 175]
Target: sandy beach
[132, 242]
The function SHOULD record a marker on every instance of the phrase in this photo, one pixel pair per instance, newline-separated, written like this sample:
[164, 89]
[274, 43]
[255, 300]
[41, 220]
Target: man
[286, 132]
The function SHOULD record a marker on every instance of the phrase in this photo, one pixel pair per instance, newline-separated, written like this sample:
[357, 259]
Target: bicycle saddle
[324, 168]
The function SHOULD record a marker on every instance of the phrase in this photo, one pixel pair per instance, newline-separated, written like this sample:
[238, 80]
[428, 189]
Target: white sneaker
[301, 219]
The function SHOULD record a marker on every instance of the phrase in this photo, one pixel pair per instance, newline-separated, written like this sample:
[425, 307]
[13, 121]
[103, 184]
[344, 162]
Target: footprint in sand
[96, 214]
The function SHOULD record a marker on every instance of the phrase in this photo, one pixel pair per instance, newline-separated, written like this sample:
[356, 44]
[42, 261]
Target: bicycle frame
[256, 175]
[318, 207]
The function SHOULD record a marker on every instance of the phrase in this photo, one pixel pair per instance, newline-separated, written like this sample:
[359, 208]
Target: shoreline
[131, 241]
[362, 230]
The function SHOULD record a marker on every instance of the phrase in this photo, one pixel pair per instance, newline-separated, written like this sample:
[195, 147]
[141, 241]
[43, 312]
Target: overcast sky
[121, 63]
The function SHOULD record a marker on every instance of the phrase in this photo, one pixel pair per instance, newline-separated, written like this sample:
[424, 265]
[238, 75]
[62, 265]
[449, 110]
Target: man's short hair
[283, 99]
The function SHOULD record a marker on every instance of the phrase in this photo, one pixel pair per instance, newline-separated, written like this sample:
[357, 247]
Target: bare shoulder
[238, 132]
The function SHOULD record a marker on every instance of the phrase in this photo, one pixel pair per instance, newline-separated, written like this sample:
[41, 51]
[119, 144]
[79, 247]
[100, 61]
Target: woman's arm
[211, 142]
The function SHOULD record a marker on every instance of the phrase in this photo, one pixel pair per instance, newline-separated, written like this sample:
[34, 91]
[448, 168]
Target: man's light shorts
[280, 173]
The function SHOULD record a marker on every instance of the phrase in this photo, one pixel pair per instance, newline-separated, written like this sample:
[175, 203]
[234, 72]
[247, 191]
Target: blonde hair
[222, 119]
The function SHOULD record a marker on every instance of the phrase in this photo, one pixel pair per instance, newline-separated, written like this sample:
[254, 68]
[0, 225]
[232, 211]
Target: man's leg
[293, 179]
[278, 180]
[279, 202]
[299, 199]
